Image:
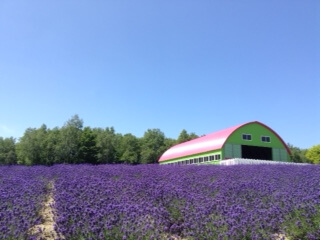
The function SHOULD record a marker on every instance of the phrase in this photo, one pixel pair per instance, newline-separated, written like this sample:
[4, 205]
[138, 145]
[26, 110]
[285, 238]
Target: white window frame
[266, 137]
[246, 134]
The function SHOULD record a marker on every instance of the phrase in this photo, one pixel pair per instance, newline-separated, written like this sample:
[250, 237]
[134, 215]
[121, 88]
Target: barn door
[232, 150]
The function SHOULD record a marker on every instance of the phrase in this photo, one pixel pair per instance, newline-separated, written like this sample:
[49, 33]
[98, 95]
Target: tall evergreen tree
[184, 136]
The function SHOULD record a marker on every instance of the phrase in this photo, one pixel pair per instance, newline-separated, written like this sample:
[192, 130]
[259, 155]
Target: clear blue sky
[134, 65]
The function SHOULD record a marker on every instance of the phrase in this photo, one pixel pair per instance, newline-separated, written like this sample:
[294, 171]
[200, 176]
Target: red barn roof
[210, 142]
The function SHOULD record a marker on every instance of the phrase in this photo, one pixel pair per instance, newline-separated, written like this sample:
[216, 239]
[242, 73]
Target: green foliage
[169, 142]
[152, 146]
[74, 122]
[31, 148]
[53, 147]
[70, 140]
[298, 226]
[298, 155]
[185, 136]
[88, 150]
[7, 151]
[129, 149]
[174, 210]
[314, 154]
[106, 142]
[73, 143]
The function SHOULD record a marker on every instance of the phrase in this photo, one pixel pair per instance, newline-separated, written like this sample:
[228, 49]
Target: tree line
[73, 143]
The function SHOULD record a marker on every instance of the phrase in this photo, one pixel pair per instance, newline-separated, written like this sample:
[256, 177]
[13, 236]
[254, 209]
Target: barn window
[191, 161]
[188, 161]
[206, 159]
[200, 159]
[211, 157]
[217, 157]
[265, 139]
[196, 160]
[246, 137]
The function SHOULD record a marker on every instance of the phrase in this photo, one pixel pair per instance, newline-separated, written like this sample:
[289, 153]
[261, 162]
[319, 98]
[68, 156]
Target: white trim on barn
[237, 161]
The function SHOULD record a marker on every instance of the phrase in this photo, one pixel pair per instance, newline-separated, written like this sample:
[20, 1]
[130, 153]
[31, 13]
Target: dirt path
[45, 230]
[280, 236]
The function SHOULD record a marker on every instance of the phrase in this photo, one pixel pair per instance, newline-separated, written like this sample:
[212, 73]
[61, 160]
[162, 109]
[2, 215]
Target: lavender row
[22, 191]
[191, 202]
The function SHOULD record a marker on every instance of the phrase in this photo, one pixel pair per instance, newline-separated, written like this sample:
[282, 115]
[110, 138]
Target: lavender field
[163, 202]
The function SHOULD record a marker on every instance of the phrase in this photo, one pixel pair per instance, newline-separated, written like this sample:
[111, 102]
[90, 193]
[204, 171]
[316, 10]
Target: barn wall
[232, 147]
[195, 156]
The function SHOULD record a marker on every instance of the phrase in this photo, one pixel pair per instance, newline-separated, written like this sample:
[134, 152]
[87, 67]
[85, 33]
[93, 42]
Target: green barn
[252, 140]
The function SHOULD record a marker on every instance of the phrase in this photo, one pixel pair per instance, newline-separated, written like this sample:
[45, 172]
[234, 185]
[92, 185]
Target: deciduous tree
[70, 140]
[298, 154]
[106, 141]
[31, 149]
[313, 154]
[8, 151]
[130, 149]
[152, 145]
[88, 150]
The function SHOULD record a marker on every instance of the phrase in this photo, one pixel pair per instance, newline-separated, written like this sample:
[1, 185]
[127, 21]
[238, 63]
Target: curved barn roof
[207, 143]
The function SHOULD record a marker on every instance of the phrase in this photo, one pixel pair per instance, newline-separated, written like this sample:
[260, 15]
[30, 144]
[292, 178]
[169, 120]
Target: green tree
[298, 154]
[106, 141]
[53, 153]
[129, 149]
[313, 154]
[88, 151]
[184, 136]
[8, 151]
[31, 149]
[69, 144]
[74, 144]
[193, 136]
[169, 142]
[152, 146]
